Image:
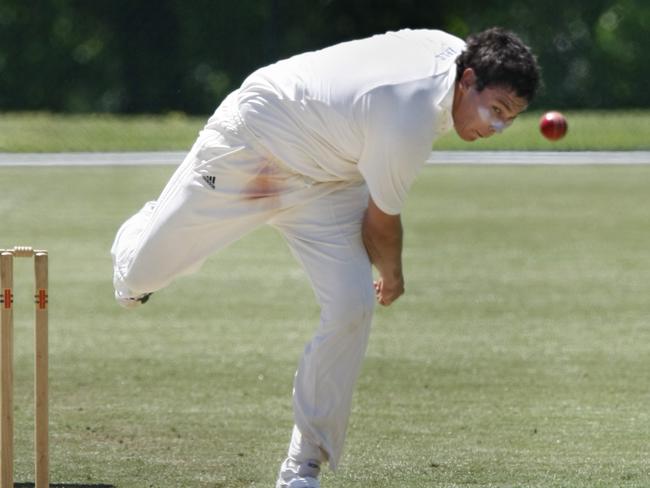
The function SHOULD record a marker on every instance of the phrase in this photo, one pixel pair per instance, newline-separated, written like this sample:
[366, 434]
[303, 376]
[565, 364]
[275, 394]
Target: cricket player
[324, 147]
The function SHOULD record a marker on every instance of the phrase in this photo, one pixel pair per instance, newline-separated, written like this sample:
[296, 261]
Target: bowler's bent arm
[382, 235]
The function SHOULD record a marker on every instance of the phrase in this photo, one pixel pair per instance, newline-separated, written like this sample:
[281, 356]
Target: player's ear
[468, 78]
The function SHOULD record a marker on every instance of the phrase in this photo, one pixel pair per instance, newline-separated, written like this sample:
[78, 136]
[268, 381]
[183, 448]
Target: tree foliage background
[145, 56]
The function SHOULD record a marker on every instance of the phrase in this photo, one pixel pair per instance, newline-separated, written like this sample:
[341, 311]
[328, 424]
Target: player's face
[479, 114]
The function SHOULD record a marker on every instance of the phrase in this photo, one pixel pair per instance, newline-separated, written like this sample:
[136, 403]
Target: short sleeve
[398, 138]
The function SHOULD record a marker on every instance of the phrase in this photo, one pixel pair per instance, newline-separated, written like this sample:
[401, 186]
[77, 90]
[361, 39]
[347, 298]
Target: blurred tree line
[145, 56]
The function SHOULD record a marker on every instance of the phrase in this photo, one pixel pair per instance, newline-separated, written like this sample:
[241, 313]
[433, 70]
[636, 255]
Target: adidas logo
[210, 181]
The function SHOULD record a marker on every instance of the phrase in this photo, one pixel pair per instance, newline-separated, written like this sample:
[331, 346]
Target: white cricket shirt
[369, 109]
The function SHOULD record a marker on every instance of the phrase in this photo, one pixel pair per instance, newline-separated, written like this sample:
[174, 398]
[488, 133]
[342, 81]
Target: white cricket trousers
[227, 186]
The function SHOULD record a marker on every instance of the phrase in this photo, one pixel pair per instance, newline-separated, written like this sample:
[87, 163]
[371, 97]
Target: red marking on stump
[7, 297]
[42, 299]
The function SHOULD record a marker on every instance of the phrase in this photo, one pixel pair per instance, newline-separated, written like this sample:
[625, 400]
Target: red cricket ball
[553, 125]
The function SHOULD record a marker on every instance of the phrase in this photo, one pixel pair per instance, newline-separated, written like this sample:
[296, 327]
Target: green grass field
[42, 132]
[517, 358]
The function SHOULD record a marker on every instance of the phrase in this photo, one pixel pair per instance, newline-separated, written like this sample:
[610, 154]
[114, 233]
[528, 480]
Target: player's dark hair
[499, 58]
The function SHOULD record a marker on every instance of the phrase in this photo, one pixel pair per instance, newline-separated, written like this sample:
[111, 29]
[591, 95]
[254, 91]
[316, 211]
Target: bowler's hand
[388, 291]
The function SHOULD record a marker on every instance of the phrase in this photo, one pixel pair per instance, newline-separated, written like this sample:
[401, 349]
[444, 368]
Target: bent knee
[351, 308]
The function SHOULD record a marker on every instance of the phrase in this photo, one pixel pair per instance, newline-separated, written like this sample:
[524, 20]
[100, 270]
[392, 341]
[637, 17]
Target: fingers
[387, 294]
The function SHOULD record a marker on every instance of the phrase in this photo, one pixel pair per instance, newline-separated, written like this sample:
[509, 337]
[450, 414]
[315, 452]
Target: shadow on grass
[64, 485]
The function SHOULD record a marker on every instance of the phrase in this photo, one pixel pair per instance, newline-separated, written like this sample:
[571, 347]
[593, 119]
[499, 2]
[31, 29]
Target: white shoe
[299, 482]
[294, 474]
